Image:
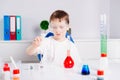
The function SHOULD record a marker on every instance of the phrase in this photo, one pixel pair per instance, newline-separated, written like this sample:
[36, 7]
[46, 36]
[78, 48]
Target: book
[18, 28]
[12, 27]
[6, 27]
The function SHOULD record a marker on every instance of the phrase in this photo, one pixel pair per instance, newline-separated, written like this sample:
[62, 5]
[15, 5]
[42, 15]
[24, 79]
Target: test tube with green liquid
[103, 35]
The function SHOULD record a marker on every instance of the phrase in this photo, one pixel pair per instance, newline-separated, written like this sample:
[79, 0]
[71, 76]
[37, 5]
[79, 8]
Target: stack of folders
[12, 27]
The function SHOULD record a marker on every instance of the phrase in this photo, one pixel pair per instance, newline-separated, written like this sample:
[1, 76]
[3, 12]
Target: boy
[55, 48]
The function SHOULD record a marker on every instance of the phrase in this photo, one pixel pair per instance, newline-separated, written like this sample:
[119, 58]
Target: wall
[84, 21]
[114, 19]
[84, 15]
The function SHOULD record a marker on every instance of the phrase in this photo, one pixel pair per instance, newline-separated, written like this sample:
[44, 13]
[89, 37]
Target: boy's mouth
[58, 34]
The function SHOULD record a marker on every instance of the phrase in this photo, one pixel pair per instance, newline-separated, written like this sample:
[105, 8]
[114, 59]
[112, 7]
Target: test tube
[103, 35]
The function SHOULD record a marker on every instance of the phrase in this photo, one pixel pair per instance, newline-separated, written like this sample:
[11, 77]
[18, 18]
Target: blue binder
[18, 28]
[6, 27]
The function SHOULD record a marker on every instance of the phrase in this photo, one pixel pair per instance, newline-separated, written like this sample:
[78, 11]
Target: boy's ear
[68, 28]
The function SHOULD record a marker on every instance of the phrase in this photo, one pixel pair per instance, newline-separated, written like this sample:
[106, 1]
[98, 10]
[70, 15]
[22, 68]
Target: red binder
[12, 27]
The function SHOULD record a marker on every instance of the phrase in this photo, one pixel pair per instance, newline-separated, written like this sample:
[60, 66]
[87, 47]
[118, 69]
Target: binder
[6, 27]
[18, 28]
[12, 28]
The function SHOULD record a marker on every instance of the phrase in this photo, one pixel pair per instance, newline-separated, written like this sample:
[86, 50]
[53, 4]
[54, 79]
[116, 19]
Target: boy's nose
[57, 29]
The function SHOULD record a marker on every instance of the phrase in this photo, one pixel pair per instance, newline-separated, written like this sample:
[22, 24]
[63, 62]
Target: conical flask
[68, 62]
[85, 70]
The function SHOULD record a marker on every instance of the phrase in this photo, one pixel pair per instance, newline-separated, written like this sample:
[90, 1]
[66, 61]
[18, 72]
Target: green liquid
[104, 44]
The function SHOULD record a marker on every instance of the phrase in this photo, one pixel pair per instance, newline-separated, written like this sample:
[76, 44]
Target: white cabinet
[88, 49]
[16, 49]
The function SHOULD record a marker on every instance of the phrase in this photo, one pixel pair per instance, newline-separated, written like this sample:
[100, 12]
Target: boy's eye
[61, 27]
[54, 27]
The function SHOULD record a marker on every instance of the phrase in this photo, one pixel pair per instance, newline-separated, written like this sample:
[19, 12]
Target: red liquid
[68, 62]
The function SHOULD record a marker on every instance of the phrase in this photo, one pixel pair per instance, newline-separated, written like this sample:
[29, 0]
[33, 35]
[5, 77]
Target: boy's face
[59, 28]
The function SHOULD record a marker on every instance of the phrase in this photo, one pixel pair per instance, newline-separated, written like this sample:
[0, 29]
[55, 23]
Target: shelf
[76, 40]
[16, 41]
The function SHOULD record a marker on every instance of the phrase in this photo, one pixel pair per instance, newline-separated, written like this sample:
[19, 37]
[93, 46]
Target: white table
[57, 73]
[32, 71]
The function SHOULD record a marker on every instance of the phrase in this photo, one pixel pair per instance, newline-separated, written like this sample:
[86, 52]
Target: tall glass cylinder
[103, 35]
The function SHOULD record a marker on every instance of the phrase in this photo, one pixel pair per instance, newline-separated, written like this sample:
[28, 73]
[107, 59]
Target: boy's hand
[37, 41]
